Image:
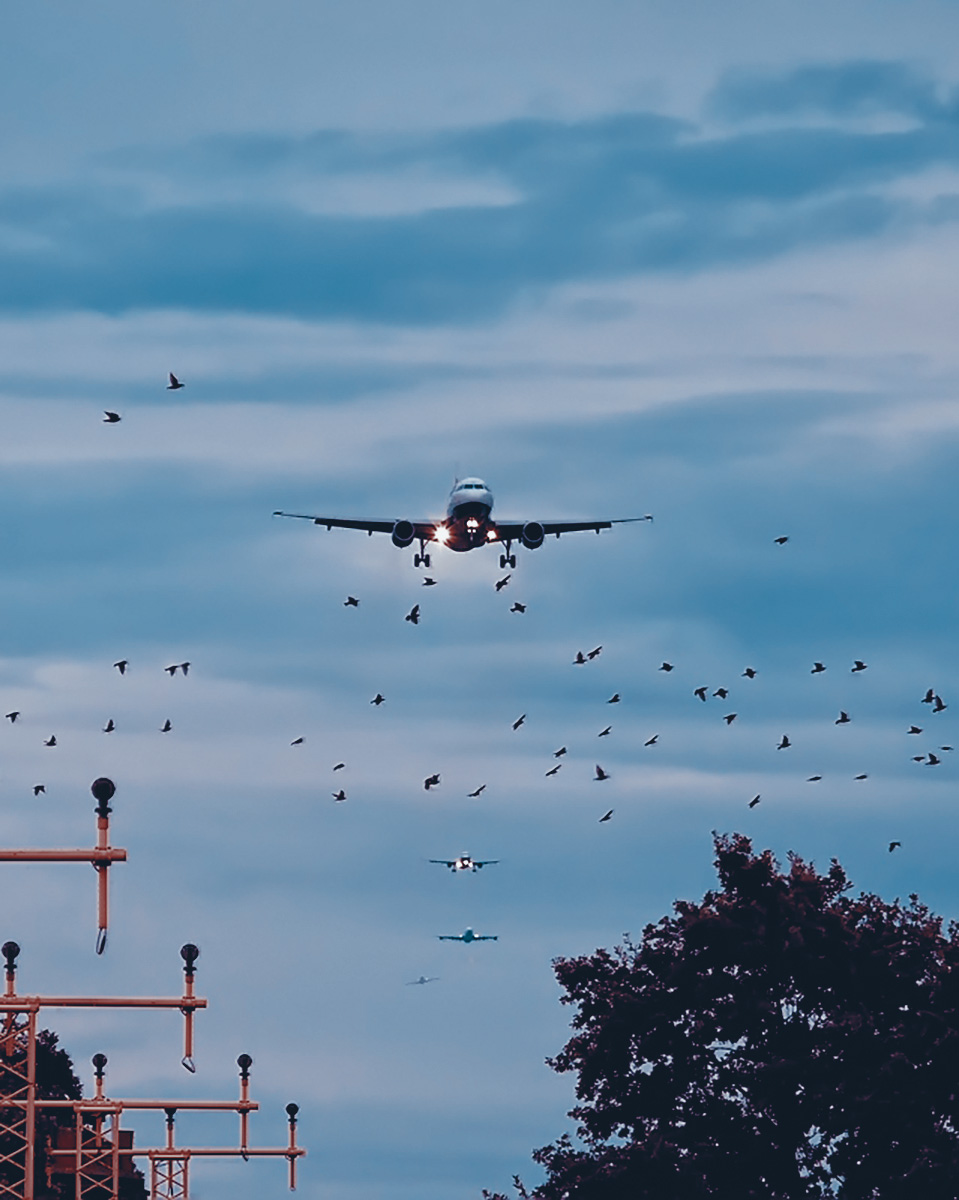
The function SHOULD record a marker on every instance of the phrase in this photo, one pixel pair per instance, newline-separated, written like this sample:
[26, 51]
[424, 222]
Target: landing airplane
[468, 936]
[464, 863]
[467, 524]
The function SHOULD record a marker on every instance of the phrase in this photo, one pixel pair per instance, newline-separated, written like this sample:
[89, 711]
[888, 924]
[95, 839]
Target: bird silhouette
[122, 665]
[174, 384]
[817, 669]
[918, 758]
[929, 696]
[755, 800]
[652, 741]
[913, 729]
[12, 716]
[553, 770]
[560, 752]
[339, 766]
[933, 760]
[428, 582]
[750, 673]
[730, 717]
[938, 704]
[51, 740]
[600, 774]
[814, 779]
[858, 665]
[501, 583]
[351, 602]
[894, 846]
[781, 541]
[517, 607]
[614, 698]
[860, 777]
[479, 791]
[595, 653]
[166, 726]
[606, 816]
[519, 721]
[185, 668]
[701, 693]
[579, 659]
[378, 699]
[110, 418]
[109, 727]
[413, 615]
[604, 732]
[431, 781]
[722, 693]
[842, 719]
[297, 742]
[172, 669]
[784, 744]
[666, 666]
[339, 796]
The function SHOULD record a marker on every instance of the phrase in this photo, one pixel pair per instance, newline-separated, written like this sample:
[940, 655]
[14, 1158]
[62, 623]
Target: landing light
[441, 533]
[472, 523]
[491, 535]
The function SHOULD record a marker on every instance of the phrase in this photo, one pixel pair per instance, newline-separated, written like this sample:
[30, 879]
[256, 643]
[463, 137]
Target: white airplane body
[465, 863]
[468, 523]
[468, 936]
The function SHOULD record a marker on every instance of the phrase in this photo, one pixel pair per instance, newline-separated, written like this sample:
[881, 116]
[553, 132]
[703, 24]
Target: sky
[682, 259]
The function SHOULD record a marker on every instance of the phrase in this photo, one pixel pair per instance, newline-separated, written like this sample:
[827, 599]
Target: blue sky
[645, 258]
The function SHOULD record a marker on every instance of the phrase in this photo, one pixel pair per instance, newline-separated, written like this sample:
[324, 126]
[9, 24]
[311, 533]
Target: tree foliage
[780, 1040]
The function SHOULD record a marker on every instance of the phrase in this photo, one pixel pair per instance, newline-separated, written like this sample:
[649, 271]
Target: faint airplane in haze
[468, 936]
[467, 524]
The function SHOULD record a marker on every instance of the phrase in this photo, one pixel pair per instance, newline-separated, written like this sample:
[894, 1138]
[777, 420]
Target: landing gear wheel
[416, 560]
[426, 561]
[502, 562]
[512, 561]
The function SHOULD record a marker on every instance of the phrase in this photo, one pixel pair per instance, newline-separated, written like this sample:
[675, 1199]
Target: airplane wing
[511, 530]
[488, 862]
[486, 937]
[422, 529]
[443, 862]
[452, 937]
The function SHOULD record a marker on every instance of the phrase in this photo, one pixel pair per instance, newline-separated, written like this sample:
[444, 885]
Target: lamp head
[103, 790]
[244, 1062]
[99, 1063]
[291, 1111]
[10, 950]
[189, 953]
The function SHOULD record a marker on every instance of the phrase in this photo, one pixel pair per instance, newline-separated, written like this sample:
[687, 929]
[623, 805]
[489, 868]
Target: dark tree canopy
[780, 1040]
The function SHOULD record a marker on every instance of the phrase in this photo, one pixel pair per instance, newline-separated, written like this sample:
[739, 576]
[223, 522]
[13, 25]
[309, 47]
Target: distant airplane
[422, 979]
[468, 936]
[467, 525]
[464, 863]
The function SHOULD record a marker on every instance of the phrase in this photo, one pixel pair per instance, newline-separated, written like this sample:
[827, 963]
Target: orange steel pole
[244, 1062]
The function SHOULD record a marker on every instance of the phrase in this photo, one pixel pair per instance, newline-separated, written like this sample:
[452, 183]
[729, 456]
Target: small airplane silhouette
[464, 863]
[422, 979]
[468, 936]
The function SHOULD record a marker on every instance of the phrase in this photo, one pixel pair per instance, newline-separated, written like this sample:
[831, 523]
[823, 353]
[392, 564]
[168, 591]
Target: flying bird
[517, 607]
[560, 752]
[109, 727]
[339, 766]
[722, 693]
[817, 669]
[894, 846]
[860, 777]
[913, 729]
[918, 758]
[730, 717]
[858, 665]
[501, 583]
[479, 791]
[51, 740]
[122, 665]
[413, 615]
[172, 669]
[933, 760]
[185, 668]
[351, 602]
[814, 779]
[431, 781]
[604, 732]
[12, 716]
[666, 666]
[166, 726]
[579, 659]
[428, 582]
[842, 719]
[701, 693]
[784, 744]
[600, 774]
[781, 541]
[519, 721]
[614, 698]
[110, 418]
[378, 699]
[339, 796]
[174, 384]
[297, 742]
[750, 673]
[652, 741]
[938, 704]
[929, 696]
[595, 653]
[553, 770]
[422, 979]
[38, 788]
[755, 800]
[606, 816]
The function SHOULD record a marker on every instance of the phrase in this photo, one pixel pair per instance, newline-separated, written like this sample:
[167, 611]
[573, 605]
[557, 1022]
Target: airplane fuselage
[467, 523]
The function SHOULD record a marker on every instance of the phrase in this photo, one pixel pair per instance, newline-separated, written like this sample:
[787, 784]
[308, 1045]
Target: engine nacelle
[532, 535]
[403, 533]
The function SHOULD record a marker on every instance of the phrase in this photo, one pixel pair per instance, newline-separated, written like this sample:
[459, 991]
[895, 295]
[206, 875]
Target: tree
[780, 1040]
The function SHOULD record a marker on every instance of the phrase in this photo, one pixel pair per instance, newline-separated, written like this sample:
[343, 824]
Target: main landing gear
[422, 559]
[507, 559]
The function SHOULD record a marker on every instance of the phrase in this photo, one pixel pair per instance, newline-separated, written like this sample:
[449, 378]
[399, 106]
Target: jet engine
[404, 533]
[532, 535]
